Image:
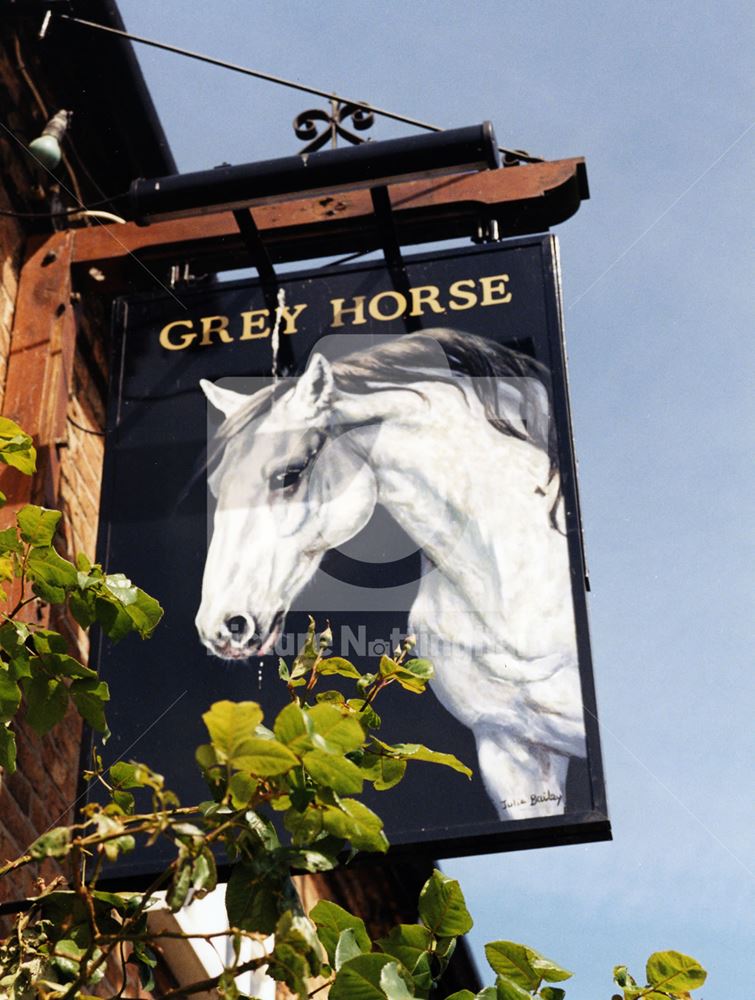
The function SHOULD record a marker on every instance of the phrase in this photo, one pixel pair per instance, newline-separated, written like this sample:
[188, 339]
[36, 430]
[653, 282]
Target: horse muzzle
[239, 637]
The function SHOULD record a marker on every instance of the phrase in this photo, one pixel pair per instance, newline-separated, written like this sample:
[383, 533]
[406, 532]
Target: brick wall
[42, 792]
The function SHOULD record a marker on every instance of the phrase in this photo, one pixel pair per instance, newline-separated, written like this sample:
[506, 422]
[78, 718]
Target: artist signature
[535, 799]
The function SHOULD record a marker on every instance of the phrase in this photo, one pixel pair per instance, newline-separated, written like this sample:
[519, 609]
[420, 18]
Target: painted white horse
[461, 452]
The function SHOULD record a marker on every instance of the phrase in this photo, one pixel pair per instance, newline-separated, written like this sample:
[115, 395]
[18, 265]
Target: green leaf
[463, 995]
[123, 775]
[355, 822]
[331, 919]
[411, 945]
[255, 898]
[293, 728]
[9, 541]
[552, 993]
[83, 609]
[124, 800]
[242, 788]
[68, 955]
[387, 666]
[334, 771]
[264, 758]
[204, 874]
[673, 971]
[516, 962]
[231, 726]
[347, 947]
[334, 731]
[319, 860]
[52, 575]
[337, 665]
[110, 614]
[115, 840]
[55, 843]
[121, 588]
[10, 695]
[122, 902]
[60, 665]
[46, 700]
[414, 675]
[548, 970]
[442, 907]
[180, 885]
[384, 772]
[45, 640]
[622, 977]
[37, 524]
[16, 447]
[393, 985]
[7, 750]
[415, 751]
[359, 979]
[297, 932]
[145, 613]
[89, 696]
[507, 989]
[366, 714]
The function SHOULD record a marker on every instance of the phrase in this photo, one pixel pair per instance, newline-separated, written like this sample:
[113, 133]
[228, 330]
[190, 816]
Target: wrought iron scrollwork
[306, 125]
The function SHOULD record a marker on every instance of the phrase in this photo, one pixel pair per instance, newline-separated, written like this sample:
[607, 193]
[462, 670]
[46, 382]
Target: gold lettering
[255, 324]
[398, 298]
[496, 283]
[215, 324]
[457, 289]
[339, 309]
[425, 295]
[186, 338]
[290, 316]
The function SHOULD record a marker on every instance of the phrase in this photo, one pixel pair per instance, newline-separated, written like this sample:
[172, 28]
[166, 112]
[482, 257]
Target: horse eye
[288, 478]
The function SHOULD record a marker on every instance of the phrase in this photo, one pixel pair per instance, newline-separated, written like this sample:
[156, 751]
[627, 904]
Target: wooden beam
[522, 199]
[40, 363]
[40, 368]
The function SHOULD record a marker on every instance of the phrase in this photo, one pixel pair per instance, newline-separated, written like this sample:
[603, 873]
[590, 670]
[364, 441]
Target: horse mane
[403, 362]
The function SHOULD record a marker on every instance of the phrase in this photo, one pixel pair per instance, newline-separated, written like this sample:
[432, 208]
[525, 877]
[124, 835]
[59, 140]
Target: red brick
[20, 789]
[15, 821]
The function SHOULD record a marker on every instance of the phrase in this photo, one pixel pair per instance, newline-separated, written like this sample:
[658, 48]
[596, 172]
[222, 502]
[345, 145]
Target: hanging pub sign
[391, 457]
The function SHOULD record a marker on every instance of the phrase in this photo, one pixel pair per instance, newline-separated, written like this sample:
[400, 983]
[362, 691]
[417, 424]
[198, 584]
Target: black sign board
[411, 471]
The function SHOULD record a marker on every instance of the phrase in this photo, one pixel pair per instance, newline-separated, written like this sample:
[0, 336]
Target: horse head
[289, 486]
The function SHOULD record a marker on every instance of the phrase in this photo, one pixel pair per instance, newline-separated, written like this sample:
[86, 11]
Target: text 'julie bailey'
[254, 324]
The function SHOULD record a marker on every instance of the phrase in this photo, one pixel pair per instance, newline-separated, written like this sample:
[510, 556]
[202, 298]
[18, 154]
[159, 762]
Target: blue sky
[658, 293]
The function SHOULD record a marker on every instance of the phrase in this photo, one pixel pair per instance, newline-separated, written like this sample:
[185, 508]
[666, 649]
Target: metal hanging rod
[512, 155]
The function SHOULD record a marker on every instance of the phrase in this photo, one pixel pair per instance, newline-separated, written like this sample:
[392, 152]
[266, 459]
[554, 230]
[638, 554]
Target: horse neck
[467, 494]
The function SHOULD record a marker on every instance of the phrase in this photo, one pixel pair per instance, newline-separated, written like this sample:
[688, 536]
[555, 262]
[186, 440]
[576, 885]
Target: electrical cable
[75, 210]
[20, 63]
[99, 222]
[87, 213]
[281, 81]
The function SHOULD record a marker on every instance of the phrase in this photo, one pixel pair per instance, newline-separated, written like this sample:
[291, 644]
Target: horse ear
[315, 388]
[224, 400]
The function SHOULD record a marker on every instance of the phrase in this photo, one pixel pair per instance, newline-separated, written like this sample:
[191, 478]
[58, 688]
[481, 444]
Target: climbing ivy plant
[283, 796]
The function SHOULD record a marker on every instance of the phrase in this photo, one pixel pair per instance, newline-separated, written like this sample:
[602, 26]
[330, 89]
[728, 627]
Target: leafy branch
[38, 676]
[282, 798]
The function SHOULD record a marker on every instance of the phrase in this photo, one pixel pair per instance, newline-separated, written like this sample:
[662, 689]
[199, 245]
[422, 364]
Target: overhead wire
[280, 81]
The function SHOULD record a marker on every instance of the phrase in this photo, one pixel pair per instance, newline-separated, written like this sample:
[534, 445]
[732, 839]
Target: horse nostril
[238, 627]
